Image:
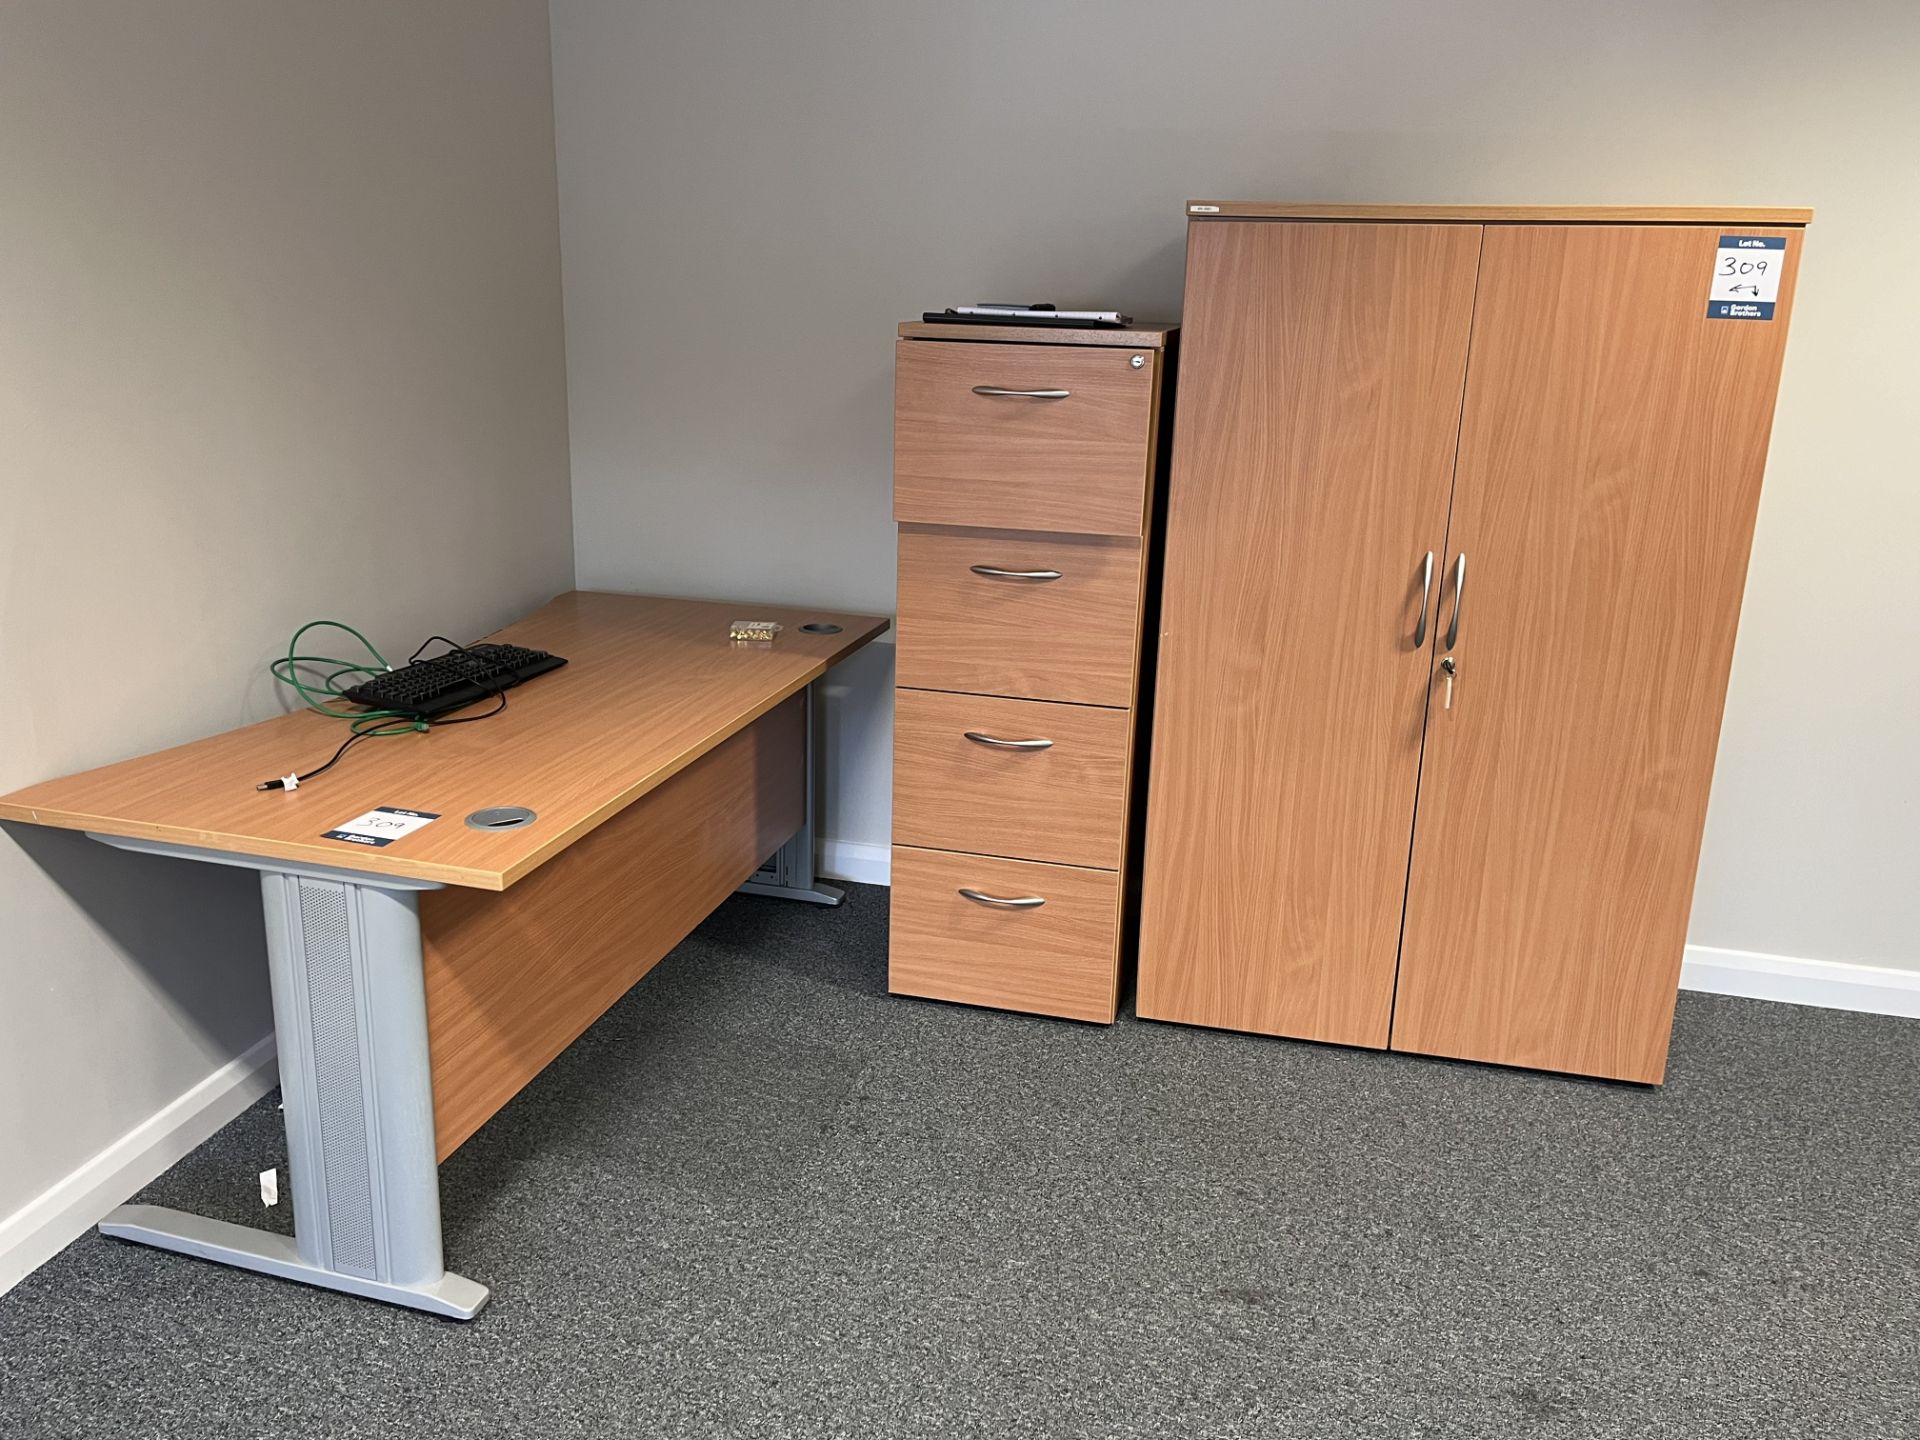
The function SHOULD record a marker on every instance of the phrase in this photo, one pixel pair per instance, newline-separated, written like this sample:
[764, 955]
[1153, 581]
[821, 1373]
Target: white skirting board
[1830, 984]
[854, 860]
[47, 1224]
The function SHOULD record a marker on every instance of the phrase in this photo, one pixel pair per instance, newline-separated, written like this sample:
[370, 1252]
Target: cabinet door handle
[1004, 902]
[1022, 394]
[999, 744]
[994, 572]
[1426, 592]
[1459, 584]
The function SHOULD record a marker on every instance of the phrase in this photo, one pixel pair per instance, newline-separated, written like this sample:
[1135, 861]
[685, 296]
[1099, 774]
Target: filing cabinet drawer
[1055, 958]
[1021, 778]
[1073, 637]
[1071, 454]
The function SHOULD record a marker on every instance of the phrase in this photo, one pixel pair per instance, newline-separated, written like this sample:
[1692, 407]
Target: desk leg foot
[814, 894]
[454, 1296]
[789, 874]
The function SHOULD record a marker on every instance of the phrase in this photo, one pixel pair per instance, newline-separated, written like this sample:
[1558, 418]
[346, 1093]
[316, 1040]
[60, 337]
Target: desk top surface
[650, 686]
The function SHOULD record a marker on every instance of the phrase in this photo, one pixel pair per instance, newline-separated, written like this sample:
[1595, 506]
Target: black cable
[496, 689]
[450, 644]
[345, 745]
[500, 695]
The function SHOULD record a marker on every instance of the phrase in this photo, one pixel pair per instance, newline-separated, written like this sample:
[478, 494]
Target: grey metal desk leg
[789, 874]
[349, 1009]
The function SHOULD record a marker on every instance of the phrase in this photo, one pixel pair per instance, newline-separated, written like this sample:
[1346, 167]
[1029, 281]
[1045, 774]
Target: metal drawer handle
[1459, 584]
[1000, 902]
[999, 744]
[1022, 394]
[1426, 591]
[994, 572]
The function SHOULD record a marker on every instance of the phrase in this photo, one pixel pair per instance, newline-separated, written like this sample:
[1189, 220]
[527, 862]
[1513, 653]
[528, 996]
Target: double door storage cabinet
[1457, 531]
[1025, 466]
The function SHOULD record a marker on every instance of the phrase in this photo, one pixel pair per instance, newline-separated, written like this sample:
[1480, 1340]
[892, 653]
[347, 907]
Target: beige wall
[752, 195]
[280, 337]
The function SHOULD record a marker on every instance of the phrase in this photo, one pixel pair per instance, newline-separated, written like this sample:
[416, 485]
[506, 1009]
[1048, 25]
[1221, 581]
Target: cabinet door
[1318, 406]
[1610, 459]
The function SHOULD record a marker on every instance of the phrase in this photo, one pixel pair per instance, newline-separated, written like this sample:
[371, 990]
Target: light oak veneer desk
[418, 986]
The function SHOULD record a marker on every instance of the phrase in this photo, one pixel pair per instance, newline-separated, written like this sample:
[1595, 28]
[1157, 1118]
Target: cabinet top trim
[1509, 214]
[1137, 337]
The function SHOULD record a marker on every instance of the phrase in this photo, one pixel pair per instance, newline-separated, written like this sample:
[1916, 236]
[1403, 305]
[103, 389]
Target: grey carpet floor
[760, 1198]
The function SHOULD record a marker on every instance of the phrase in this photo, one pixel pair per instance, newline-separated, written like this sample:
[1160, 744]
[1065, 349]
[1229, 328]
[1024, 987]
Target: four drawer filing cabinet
[1025, 478]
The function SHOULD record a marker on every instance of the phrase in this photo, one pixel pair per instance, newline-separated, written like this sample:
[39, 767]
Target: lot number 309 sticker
[380, 826]
[1746, 277]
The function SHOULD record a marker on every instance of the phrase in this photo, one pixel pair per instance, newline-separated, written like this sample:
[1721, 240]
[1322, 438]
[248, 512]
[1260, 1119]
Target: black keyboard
[448, 682]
